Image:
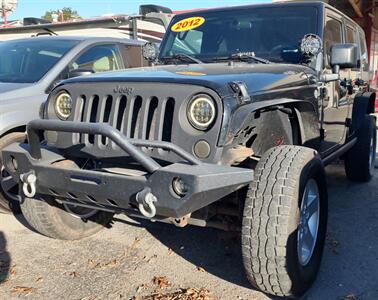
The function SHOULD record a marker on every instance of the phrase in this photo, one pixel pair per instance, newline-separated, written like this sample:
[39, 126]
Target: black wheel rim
[8, 186]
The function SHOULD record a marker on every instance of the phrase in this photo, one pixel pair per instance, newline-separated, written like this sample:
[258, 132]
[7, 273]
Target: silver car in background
[30, 68]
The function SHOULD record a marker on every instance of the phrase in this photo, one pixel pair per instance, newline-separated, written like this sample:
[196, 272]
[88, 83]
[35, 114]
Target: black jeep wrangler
[231, 128]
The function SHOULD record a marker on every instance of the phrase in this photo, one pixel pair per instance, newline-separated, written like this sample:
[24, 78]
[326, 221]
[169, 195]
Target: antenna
[6, 8]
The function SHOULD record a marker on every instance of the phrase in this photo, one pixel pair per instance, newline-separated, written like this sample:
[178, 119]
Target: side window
[99, 58]
[364, 53]
[351, 36]
[333, 34]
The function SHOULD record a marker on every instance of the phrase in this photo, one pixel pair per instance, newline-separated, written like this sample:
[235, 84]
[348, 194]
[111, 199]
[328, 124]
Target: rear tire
[273, 243]
[360, 160]
[9, 194]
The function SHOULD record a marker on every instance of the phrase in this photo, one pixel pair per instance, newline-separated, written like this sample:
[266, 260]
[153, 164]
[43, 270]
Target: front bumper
[117, 192]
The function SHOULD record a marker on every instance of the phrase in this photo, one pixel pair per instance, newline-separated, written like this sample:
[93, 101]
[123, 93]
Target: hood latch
[241, 91]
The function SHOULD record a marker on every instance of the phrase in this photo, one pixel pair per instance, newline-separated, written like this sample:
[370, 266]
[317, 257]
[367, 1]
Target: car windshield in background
[27, 61]
[273, 33]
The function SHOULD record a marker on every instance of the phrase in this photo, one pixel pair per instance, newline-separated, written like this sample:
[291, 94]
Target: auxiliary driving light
[201, 112]
[179, 187]
[63, 105]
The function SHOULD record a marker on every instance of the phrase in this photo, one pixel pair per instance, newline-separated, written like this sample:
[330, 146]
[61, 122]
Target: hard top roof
[89, 39]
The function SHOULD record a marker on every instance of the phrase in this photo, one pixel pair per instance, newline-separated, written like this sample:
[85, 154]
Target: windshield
[27, 61]
[273, 33]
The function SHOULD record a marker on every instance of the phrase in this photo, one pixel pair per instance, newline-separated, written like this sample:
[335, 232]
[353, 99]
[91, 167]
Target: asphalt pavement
[134, 259]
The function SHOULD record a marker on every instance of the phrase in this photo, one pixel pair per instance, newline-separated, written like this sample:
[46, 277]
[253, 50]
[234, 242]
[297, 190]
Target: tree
[68, 14]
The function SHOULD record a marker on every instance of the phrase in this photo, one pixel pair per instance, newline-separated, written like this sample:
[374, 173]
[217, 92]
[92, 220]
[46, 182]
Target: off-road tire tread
[266, 217]
[44, 218]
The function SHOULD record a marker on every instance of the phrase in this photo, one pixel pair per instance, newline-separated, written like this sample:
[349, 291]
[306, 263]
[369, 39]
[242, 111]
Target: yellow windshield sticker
[191, 73]
[188, 24]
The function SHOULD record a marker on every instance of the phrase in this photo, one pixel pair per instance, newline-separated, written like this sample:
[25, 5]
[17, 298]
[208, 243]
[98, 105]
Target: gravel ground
[122, 262]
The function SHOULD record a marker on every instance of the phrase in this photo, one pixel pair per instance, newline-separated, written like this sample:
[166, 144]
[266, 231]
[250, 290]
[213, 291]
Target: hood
[8, 86]
[259, 78]
[13, 90]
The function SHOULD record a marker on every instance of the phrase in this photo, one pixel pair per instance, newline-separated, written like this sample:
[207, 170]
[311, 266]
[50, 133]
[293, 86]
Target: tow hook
[146, 202]
[29, 179]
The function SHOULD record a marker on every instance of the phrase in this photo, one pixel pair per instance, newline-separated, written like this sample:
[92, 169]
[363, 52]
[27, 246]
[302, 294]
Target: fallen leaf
[39, 279]
[23, 290]
[170, 251]
[135, 243]
[13, 270]
[141, 287]
[74, 274]
[161, 281]
[92, 263]
[182, 294]
[200, 269]
[152, 258]
[112, 264]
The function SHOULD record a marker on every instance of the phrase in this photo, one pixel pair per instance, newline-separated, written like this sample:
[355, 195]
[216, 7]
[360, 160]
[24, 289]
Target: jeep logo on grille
[123, 90]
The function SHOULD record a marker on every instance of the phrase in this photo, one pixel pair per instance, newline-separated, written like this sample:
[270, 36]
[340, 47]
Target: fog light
[202, 149]
[179, 187]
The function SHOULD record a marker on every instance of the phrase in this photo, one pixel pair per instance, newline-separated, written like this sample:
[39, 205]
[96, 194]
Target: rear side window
[351, 36]
[333, 34]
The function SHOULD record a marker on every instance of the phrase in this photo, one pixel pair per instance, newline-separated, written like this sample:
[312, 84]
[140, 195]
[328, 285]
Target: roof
[274, 4]
[319, 4]
[81, 39]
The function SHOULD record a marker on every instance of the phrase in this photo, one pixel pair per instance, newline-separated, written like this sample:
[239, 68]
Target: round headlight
[201, 112]
[63, 105]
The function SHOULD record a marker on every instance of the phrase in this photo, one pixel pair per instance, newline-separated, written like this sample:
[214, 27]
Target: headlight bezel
[190, 115]
[58, 110]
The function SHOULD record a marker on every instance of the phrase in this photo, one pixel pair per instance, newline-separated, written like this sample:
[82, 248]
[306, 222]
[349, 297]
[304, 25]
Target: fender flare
[364, 103]
[304, 110]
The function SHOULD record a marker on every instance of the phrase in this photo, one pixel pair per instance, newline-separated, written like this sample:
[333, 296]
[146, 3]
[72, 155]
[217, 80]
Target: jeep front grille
[136, 117]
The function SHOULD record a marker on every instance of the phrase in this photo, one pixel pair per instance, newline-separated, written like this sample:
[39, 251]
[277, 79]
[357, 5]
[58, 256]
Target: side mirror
[151, 52]
[80, 72]
[344, 56]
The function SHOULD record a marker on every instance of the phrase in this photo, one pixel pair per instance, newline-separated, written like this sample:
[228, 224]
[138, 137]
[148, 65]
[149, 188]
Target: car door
[336, 106]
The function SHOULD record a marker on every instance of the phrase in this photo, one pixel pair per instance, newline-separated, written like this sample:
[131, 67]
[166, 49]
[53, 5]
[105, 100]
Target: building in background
[365, 13]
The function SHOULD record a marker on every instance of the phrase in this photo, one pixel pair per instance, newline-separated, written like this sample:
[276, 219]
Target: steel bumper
[205, 183]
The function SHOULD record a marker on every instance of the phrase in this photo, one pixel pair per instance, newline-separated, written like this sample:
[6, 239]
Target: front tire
[360, 160]
[286, 204]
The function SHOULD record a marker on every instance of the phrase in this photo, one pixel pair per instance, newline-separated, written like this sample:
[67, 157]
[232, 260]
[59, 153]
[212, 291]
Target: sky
[91, 8]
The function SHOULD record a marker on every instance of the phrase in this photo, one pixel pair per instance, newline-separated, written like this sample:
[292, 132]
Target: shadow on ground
[5, 260]
[350, 263]
[218, 252]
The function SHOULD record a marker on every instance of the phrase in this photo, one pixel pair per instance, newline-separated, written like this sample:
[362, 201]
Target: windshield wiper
[182, 57]
[244, 56]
